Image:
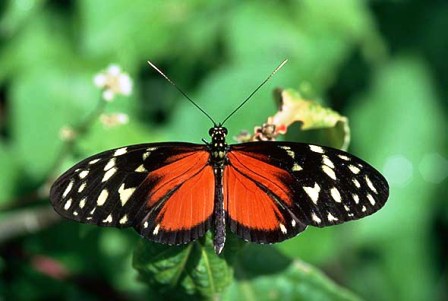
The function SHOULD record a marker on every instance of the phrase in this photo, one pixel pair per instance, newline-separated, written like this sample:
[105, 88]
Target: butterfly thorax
[218, 146]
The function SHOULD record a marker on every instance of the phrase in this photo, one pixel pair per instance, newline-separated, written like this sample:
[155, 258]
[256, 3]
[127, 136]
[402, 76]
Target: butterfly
[264, 192]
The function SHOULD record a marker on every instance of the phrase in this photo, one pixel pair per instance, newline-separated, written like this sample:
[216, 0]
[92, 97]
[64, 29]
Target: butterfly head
[219, 146]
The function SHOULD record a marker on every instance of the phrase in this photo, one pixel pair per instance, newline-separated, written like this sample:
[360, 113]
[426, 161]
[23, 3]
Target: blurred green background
[383, 64]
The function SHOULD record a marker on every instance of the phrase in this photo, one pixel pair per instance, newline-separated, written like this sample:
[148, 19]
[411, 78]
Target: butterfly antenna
[181, 92]
[255, 91]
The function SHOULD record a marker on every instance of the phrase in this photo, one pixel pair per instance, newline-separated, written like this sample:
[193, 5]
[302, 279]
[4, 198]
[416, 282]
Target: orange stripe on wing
[178, 171]
[192, 202]
[247, 204]
[271, 177]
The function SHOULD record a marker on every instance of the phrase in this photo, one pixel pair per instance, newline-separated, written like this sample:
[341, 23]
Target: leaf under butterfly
[183, 271]
[282, 279]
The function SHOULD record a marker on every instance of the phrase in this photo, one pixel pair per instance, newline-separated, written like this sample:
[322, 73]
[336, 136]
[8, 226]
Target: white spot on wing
[109, 174]
[93, 161]
[336, 195]
[316, 149]
[82, 203]
[81, 187]
[313, 192]
[146, 224]
[156, 229]
[371, 199]
[146, 155]
[364, 209]
[102, 197]
[315, 218]
[291, 154]
[370, 184]
[283, 228]
[331, 218]
[355, 198]
[110, 164]
[120, 151]
[83, 174]
[75, 213]
[293, 223]
[141, 168]
[67, 190]
[354, 169]
[343, 157]
[296, 167]
[108, 219]
[125, 193]
[123, 220]
[327, 162]
[68, 204]
[329, 172]
[356, 182]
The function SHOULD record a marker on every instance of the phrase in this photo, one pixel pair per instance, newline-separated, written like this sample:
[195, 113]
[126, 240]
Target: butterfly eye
[210, 131]
[224, 130]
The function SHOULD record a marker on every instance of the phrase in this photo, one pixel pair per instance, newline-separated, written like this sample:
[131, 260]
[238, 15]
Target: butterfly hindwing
[300, 184]
[141, 186]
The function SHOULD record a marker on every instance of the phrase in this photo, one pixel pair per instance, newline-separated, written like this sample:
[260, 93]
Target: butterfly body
[174, 192]
[218, 149]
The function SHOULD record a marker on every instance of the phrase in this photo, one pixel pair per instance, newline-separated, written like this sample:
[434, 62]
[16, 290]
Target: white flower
[67, 133]
[113, 81]
[114, 119]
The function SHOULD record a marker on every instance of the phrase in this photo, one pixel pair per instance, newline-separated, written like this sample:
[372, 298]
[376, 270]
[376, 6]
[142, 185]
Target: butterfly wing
[164, 190]
[273, 190]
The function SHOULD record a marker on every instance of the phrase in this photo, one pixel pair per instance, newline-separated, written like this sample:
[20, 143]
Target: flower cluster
[113, 81]
[276, 125]
[67, 133]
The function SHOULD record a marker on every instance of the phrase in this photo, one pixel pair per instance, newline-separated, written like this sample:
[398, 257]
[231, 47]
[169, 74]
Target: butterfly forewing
[306, 184]
[147, 186]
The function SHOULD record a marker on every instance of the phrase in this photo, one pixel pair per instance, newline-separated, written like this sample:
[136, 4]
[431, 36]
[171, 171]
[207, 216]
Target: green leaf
[262, 273]
[182, 271]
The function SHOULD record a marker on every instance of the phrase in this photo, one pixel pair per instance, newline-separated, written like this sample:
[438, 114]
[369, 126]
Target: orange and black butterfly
[174, 192]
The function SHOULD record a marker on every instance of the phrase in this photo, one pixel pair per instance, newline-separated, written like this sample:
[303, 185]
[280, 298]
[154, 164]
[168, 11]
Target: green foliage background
[381, 63]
